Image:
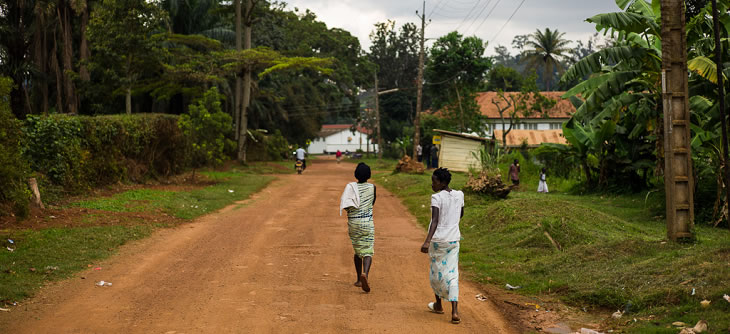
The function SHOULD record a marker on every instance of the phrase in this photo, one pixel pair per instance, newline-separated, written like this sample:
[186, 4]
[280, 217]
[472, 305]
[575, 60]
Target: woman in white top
[442, 242]
[542, 186]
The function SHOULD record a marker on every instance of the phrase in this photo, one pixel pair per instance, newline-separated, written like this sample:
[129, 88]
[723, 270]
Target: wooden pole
[678, 175]
[721, 95]
[377, 119]
[419, 95]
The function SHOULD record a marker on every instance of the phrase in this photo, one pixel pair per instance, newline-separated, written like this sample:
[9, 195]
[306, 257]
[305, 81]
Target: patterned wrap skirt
[362, 235]
[445, 269]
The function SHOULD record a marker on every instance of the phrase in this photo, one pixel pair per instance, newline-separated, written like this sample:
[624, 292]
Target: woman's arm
[375, 194]
[432, 229]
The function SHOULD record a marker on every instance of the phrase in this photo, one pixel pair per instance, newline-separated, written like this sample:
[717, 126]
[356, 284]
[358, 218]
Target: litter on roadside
[726, 297]
[103, 283]
[10, 249]
[705, 303]
[537, 307]
[511, 287]
[230, 190]
[97, 268]
[589, 331]
[11, 241]
[693, 291]
[679, 324]
[4, 309]
[481, 297]
[617, 315]
[51, 268]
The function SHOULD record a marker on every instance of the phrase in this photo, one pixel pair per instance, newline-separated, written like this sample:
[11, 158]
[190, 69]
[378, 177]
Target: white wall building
[342, 137]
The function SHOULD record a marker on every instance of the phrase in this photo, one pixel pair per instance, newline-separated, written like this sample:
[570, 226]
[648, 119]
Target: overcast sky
[469, 17]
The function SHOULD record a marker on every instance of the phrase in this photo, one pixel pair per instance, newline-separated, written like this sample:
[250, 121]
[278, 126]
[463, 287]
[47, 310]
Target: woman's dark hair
[544, 170]
[443, 175]
[516, 161]
[362, 172]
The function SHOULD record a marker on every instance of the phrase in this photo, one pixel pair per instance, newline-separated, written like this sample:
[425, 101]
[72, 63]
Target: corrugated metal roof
[562, 109]
[534, 138]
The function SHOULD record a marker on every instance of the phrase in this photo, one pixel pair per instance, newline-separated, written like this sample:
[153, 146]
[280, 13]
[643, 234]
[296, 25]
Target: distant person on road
[338, 155]
[442, 242]
[419, 152]
[358, 199]
[301, 155]
[434, 156]
[514, 172]
[542, 187]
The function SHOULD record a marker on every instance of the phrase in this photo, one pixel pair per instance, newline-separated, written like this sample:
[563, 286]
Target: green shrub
[277, 146]
[205, 126]
[78, 152]
[13, 168]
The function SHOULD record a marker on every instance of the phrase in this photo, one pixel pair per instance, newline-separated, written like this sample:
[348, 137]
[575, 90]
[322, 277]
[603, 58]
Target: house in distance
[343, 137]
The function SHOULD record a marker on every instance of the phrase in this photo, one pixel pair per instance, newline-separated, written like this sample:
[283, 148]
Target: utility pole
[377, 119]
[721, 95]
[678, 175]
[419, 96]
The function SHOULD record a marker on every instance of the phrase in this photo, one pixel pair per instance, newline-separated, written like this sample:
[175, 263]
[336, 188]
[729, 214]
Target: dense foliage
[205, 127]
[13, 168]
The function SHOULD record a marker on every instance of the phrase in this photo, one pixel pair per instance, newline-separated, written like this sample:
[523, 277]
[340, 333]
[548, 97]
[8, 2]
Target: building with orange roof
[552, 119]
[343, 137]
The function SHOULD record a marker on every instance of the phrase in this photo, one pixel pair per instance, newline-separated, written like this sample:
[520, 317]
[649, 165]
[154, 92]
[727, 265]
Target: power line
[486, 17]
[509, 19]
[473, 10]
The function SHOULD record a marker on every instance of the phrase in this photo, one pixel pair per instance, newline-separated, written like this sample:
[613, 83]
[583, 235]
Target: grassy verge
[57, 253]
[613, 253]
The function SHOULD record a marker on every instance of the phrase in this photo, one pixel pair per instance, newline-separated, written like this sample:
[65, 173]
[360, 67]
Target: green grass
[613, 253]
[68, 249]
[375, 164]
[71, 249]
[231, 186]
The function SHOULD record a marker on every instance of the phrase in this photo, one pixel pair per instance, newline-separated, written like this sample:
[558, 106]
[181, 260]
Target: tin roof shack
[456, 150]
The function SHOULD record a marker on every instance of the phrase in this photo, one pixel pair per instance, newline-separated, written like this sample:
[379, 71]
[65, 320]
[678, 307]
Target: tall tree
[16, 18]
[125, 46]
[455, 70]
[547, 50]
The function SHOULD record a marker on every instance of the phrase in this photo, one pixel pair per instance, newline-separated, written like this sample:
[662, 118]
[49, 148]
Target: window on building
[556, 126]
[529, 126]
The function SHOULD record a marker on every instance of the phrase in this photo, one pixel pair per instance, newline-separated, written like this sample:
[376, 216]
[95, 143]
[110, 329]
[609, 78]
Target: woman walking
[358, 200]
[442, 242]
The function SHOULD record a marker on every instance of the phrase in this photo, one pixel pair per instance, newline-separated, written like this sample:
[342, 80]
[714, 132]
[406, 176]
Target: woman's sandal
[455, 321]
[430, 307]
[364, 281]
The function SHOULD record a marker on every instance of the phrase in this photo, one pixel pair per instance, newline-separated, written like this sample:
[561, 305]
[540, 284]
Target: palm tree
[546, 49]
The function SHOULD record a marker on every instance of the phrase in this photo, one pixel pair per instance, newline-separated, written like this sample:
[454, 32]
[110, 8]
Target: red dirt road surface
[280, 262]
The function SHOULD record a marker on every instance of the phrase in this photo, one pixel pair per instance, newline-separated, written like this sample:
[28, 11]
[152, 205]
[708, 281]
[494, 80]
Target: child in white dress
[542, 186]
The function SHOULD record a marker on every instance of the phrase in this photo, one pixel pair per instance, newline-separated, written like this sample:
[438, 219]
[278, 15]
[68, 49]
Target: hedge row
[81, 152]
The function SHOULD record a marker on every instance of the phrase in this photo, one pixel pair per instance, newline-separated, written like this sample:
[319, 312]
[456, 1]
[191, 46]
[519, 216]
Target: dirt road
[280, 263]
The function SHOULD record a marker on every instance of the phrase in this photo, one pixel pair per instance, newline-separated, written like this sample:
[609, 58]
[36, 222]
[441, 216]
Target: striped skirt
[445, 269]
[362, 235]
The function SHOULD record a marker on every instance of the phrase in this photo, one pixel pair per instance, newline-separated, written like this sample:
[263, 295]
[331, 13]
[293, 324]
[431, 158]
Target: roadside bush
[205, 127]
[13, 168]
[277, 146]
[79, 152]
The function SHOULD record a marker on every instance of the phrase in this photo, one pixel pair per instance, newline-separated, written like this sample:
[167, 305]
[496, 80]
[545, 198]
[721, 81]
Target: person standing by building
[434, 156]
[419, 152]
[542, 186]
[338, 155]
[514, 172]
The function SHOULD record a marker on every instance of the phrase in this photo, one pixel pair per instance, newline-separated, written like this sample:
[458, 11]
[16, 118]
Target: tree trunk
[84, 52]
[40, 58]
[239, 83]
[59, 77]
[65, 22]
[246, 86]
[128, 100]
[587, 171]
